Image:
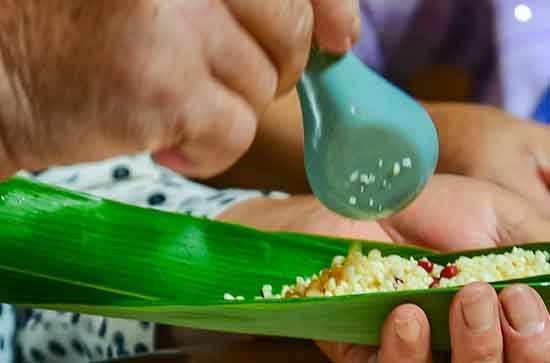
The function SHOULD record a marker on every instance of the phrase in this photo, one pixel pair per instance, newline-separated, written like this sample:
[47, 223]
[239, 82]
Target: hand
[456, 213]
[482, 215]
[82, 80]
[489, 144]
[452, 213]
[513, 327]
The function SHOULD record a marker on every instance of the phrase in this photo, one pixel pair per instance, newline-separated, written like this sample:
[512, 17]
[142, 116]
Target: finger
[405, 336]
[542, 156]
[535, 190]
[529, 227]
[426, 222]
[525, 325]
[283, 29]
[532, 162]
[240, 63]
[474, 325]
[337, 24]
[348, 353]
[532, 187]
[518, 220]
[213, 137]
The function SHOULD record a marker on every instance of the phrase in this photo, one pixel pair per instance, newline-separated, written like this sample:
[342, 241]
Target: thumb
[405, 338]
[348, 353]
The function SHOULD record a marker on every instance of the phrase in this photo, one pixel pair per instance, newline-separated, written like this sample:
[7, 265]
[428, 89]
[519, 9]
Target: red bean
[426, 265]
[435, 283]
[449, 271]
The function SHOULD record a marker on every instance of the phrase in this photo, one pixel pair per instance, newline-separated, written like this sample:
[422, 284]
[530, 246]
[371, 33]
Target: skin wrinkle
[149, 71]
[514, 222]
[49, 52]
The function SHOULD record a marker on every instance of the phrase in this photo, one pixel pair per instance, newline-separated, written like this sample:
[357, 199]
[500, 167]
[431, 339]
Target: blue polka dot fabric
[49, 336]
[138, 180]
[40, 336]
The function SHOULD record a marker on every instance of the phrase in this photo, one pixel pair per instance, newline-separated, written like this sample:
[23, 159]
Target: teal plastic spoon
[369, 147]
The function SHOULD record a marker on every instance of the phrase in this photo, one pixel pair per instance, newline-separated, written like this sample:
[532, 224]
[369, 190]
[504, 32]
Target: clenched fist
[83, 80]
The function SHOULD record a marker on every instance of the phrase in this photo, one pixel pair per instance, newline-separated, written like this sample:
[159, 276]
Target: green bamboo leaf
[71, 251]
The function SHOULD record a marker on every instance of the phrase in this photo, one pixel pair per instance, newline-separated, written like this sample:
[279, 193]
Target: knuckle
[260, 86]
[266, 88]
[240, 129]
[149, 81]
[296, 19]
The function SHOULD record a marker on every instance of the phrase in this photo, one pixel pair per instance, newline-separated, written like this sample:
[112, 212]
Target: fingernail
[408, 330]
[478, 309]
[522, 310]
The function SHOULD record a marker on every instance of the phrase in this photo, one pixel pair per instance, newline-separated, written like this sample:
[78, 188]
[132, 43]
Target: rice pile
[358, 273]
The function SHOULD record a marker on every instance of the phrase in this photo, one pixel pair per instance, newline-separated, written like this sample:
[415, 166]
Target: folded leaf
[74, 252]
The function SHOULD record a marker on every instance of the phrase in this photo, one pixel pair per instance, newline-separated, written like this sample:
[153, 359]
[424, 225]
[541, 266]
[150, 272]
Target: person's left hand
[456, 213]
[452, 213]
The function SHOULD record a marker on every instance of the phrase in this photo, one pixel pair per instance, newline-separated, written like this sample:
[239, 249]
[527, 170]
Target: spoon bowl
[369, 148]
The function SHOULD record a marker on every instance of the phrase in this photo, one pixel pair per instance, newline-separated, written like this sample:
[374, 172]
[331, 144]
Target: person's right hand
[513, 327]
[84, 80]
